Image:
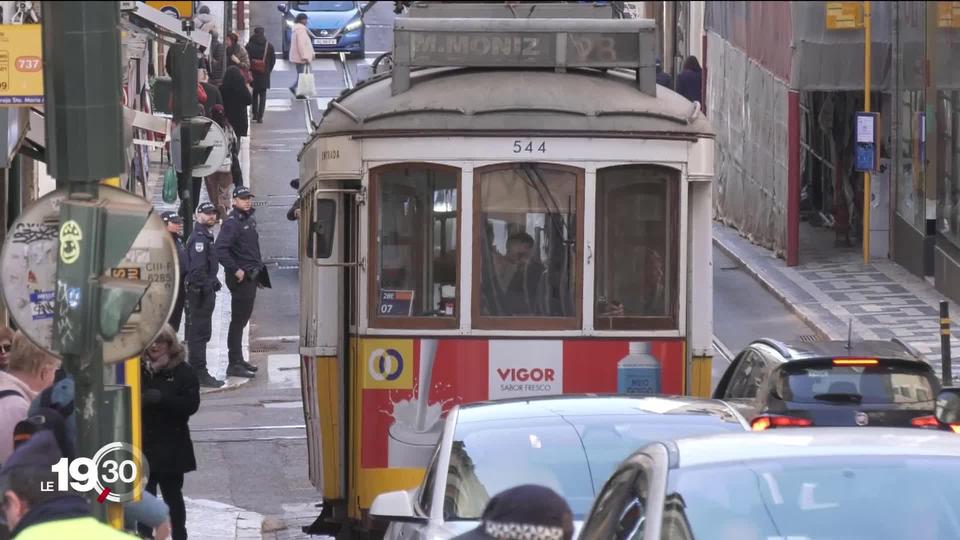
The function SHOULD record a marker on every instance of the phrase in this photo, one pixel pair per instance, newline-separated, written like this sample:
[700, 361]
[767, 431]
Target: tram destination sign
[525, 43]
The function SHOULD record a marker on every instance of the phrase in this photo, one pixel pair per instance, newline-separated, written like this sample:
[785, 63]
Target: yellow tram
[515, 210]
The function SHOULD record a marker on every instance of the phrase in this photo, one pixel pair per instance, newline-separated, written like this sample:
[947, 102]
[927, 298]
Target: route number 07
[529, 146]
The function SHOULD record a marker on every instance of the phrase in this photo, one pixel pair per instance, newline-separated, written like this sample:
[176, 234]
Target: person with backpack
[30, 371]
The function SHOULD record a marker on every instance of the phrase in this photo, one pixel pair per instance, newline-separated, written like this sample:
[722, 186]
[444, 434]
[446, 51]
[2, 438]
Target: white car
[570, 444]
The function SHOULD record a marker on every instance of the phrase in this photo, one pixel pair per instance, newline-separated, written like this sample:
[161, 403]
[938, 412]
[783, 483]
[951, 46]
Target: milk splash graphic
[416, 422]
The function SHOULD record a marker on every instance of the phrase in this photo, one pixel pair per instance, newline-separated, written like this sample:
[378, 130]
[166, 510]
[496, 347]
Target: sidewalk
[832, 288]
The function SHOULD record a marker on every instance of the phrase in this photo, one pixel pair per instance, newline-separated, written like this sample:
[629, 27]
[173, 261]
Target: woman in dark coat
[261, 52]
[171, 394]
[236, 97]
[689, 80]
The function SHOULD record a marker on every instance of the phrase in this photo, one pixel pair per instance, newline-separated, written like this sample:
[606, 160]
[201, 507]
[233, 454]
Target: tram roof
[491, 101]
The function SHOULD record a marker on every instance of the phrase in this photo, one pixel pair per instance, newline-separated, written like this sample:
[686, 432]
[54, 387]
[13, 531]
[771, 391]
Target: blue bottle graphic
[639, 371]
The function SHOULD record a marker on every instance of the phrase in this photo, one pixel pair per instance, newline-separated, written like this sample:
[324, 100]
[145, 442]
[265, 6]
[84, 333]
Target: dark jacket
[236, 98]
[201, 260]
[218, 61]
[181, 256]
[213, 98]
[238, 246]
[664, 79]
[166, 433]
[688, 84]
[255, 50]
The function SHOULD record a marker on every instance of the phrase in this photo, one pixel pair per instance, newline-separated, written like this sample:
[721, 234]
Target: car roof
[888, 350]
[813, 442]
[595, 405]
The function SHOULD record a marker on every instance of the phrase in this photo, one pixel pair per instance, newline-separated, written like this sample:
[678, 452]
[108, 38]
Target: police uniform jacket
[181, 256]
[201, 259]
[238, 245]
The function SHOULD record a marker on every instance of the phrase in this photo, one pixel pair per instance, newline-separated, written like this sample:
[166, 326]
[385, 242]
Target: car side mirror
[365, 8]
[948, 408]
[295, 183]
[395, 506]
[282, 8]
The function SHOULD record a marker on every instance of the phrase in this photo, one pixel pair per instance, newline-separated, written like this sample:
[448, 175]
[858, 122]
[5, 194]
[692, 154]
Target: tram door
[329, 276]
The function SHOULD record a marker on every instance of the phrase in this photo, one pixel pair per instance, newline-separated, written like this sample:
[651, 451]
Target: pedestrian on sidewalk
[33, 513]
[57, 402]
[212, 93]
[6, 342]
[293, 214]
[238, 248]
[301, 49]
[202, 287]
[529, 511]
[174, 225]
[220, 183]
[237, 56]
[30, 371]
[171, 395]
[236, 98]
[218, 60]
[262, 59]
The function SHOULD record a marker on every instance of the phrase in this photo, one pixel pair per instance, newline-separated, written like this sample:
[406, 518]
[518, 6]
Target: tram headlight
[355, 24]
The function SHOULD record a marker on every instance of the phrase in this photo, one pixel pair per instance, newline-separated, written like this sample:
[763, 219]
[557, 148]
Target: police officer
[238, 248]
[175, 227]
[202, 287]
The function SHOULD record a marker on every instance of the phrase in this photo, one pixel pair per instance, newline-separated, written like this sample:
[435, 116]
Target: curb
[772, 289]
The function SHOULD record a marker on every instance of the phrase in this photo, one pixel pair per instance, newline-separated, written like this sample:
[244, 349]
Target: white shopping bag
[306, 86]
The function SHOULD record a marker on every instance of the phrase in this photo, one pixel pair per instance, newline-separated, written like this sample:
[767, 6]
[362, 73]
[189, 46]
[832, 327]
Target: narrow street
[250, 441]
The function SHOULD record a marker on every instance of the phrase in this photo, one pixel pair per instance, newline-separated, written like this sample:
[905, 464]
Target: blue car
[335, 26]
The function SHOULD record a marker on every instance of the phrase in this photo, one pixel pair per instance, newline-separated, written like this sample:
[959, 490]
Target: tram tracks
[248, 434]
[342, 67]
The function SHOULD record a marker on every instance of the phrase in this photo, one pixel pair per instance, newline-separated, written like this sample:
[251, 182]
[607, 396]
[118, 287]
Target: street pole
[866, 108]
[946, 362]
[185, 107]
[84, 131]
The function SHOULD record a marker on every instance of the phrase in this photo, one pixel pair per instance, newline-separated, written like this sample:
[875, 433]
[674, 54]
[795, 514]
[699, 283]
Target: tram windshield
[528, 240]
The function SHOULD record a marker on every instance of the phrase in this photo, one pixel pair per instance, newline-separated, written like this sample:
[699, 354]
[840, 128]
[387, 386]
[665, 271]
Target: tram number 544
[528, 146]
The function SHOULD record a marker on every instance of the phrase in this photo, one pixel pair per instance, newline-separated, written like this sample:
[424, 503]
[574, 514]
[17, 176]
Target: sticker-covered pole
[866, 108]
[84, 132]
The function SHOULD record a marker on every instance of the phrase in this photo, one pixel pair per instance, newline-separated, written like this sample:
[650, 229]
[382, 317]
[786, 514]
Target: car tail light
[925, 422]
[855, 362]
[762, 423]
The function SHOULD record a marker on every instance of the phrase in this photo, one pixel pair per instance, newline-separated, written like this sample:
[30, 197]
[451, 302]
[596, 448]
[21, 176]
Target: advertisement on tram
[408, 384]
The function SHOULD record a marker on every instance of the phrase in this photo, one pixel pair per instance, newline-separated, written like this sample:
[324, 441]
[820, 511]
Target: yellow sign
[948, 14]
[844, 15]
[70, 237]
[175, 9]
[21, 65]
[387, 364]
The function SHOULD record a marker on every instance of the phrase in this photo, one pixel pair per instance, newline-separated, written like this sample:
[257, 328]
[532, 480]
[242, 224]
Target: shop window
[527, 246]
[637, 244]
[414, 249]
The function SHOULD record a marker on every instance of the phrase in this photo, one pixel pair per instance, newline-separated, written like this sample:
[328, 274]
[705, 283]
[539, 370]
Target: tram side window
[637, 243]
[526, 245]
[416, 245]
[321, 228]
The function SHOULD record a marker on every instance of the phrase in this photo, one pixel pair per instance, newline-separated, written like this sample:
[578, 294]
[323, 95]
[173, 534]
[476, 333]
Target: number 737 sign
[21, 65]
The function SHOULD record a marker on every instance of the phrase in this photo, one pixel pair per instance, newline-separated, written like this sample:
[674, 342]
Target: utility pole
[866, 107]
[185, 106]
[84, 130]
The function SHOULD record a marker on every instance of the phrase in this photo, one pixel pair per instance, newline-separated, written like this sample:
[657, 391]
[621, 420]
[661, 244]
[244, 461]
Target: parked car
[830, 483]
[570, 444]
[336, 26]
[831, 383]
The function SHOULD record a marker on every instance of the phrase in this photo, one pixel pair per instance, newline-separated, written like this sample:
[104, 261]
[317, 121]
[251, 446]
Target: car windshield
[573, 455]
[821, 498]
[325, 6]
[858, 384]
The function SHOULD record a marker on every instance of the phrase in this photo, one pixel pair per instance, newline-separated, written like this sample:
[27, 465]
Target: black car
[831, 383]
